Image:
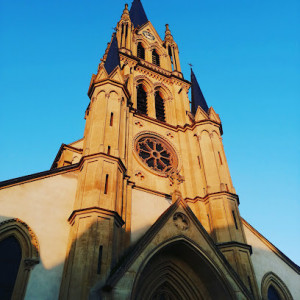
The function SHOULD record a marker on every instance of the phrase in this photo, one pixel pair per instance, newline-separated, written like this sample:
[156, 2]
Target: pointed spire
[125, 15]
[197, 96]
[168, 35]
[137, 14]
[113, 58]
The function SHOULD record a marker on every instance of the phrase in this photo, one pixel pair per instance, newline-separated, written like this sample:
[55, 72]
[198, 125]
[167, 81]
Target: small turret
[124, 31]
[173, 52]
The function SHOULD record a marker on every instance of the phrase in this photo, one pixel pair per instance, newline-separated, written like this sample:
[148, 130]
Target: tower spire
[137, 13]
[113, 58]
[197, 96]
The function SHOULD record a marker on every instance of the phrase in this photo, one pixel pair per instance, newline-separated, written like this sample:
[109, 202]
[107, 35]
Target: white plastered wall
[265, 260]
[44, 205]
[146, 209]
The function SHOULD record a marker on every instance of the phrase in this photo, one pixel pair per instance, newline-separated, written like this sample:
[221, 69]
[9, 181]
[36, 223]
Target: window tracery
[156, 154]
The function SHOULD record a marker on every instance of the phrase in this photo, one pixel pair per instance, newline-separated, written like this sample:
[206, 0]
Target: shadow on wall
[88, 259]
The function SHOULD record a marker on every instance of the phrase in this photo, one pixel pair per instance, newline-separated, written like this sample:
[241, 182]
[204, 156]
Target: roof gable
[177, 223]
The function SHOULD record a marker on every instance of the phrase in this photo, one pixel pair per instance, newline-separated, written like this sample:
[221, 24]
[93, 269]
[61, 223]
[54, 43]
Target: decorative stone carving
[139, 123]
[156, 154]
[30, 263]
[139, 174]
[181, 221]
[170, 134]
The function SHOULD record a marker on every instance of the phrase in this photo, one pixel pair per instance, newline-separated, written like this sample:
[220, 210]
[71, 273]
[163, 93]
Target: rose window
[156, 154]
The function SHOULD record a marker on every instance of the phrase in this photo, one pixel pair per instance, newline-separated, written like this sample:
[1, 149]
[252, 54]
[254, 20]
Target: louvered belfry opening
[159, 107]
[155, 58]
[141, 100]
[140, 51]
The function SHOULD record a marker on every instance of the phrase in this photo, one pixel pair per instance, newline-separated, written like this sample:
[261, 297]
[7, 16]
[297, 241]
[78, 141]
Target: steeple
[113, 58]
[197, 96]
[137, 14]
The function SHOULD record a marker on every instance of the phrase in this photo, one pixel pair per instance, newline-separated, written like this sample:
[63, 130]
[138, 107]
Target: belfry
[143, 205]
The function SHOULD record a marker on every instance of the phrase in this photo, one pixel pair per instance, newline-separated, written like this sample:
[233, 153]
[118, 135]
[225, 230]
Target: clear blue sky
[245, 56]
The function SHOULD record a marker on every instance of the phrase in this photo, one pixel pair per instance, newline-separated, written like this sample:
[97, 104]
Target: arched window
[273, 288]
[272, 293]
[159, 107]
[10, 258]
[155, 58]
[141, 99]
[19, 253]
[140, 51]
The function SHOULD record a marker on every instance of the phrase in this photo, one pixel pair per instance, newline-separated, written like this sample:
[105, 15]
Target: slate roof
[197, 96]
[113, 58]
[137, 14]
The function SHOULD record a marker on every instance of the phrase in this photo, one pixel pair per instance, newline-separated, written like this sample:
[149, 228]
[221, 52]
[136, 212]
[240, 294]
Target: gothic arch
[141, 79]
[167, 95]
[29, 245]
[180, 269]
[271, 279]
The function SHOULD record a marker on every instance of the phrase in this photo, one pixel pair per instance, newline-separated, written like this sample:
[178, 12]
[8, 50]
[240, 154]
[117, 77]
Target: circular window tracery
[156, 154]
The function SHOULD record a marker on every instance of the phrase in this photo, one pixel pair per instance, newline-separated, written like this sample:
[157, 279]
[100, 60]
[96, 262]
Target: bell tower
[139, 129]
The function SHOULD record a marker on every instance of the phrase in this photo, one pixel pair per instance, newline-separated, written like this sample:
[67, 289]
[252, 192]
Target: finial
[168, 35]
[190, 65]
[125, 14]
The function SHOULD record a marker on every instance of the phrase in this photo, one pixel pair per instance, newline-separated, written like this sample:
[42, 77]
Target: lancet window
[171, 57]
[141, 100]
[140, 51]
[155, 58]
[159, 107]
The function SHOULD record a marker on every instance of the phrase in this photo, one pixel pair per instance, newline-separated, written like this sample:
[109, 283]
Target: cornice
[98, 210]
[176, 128]
[155, 69]
[96, 84]
[38, 176]
[236, 245]
[274, 249]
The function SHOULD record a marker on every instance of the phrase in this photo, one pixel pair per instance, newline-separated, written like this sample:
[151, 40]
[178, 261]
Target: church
[143, 206]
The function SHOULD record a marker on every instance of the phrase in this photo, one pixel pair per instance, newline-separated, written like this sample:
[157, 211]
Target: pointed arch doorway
[179, 271]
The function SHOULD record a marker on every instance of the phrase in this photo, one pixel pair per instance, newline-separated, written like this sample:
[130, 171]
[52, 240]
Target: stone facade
[143, 206]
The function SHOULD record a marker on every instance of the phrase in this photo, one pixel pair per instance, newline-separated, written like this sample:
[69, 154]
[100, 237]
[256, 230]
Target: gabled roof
[136, 250]
[137, 14]
[197, 96]
[113, 58]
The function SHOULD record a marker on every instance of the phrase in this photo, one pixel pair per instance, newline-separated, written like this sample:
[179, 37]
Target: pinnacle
[125, 14]
[168, 35]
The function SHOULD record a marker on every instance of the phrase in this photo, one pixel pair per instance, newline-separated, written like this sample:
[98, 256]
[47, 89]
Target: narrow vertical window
[234, 219]
[140, 51]
[111, 121]
[155, 58]
[159, 107]
[221, 162]
[106, 184]
[171, 57]
[199, 162]
[226, 185]
[108, 150]
[141, 100]
[99, 259]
